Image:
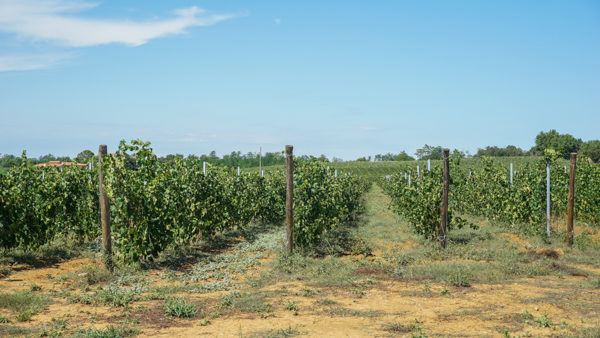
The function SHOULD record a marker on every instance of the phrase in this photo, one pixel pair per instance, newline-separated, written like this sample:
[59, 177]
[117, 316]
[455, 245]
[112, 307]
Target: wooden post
[104, 211]
[571, 199]
[289, 198]
[443, 231]
[548, 199]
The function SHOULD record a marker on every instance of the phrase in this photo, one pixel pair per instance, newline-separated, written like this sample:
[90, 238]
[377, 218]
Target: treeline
[563, 144]
[427, 152]
[402, 156]
[233, 159]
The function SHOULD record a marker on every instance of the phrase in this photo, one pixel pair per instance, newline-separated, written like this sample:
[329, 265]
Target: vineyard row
[154, 205]
[522, 198]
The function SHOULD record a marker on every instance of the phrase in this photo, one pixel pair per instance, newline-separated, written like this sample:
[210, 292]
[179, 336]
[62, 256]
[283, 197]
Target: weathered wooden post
[443, 231]
[571, 199]
[104, 211]
[289, 198]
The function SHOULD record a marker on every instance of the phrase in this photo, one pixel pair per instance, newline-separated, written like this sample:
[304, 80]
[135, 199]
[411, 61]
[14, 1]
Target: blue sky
[341, 78]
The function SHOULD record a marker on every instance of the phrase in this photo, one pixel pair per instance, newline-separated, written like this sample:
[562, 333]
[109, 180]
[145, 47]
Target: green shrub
[179, 307]
[115, 296]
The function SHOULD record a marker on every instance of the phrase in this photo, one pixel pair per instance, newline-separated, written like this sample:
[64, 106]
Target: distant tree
[50, 157]
[591, 149]
[494, 151]
[84, 156]
[564, 144]
[273, 158]
[402, 156]
[8, 161]
[429, 153]
[458, 153]
[364, 159]
[321, 158]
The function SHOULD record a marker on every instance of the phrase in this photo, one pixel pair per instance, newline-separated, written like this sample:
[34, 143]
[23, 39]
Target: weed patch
[23, 304]
[245, 302]
[277, 333]
[109, 332]
[339, 311]
[181, 308]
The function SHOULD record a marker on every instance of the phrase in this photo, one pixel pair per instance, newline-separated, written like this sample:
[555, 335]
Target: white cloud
[60, 21]
[23, 62]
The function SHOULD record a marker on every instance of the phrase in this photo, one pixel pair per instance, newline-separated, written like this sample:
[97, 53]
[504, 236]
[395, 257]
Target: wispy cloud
[62, 22]
[23, 62]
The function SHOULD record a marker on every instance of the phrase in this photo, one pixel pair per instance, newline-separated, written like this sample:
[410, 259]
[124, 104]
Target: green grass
[483, 255]
[276, 333]
[593, 332]
[415, 329]
[15, 331]
[326, 302]
[111, 295]
[46, 255]
[292, 306]
[340, 311]
[246, 302]
[92, 275]
[108, 332]
[23, 304]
